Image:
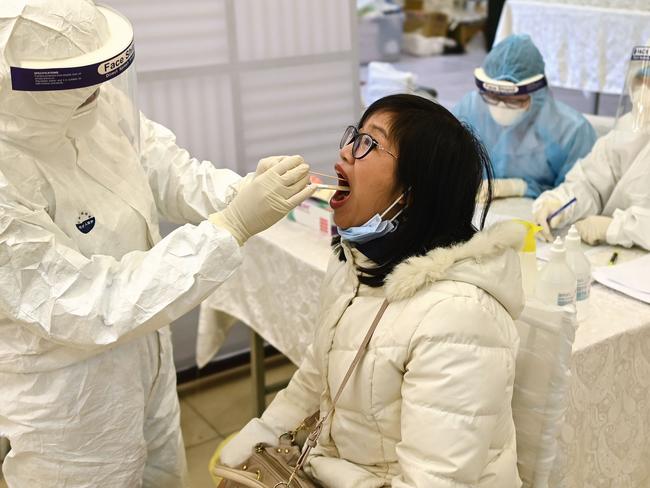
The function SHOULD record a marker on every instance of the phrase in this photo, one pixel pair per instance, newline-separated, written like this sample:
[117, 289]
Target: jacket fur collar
[417, 273]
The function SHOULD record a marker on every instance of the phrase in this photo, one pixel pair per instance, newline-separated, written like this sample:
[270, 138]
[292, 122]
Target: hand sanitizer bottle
[581, 268]
[556, 283]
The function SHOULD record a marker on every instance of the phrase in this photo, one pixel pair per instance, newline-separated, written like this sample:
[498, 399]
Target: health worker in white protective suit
[612, 183]
[87, 286]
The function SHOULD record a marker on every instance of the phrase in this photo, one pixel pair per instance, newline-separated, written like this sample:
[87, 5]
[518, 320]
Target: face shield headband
[503, 88]
[82, 71]
[641, 53]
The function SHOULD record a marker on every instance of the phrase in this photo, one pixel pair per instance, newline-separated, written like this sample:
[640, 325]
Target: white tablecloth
[606, 438]
[275, 292]
[585, 47]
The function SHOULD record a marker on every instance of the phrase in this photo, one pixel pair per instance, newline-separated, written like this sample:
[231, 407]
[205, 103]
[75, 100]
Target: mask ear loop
[395, 203]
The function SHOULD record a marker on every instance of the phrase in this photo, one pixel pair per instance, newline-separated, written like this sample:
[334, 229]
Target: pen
[612, 260]
[561, 209]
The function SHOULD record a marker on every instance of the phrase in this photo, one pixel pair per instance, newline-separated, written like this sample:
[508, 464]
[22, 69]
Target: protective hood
[515, 67]
[635, 98]
[514, 59]
[44, 33]
[488, 260]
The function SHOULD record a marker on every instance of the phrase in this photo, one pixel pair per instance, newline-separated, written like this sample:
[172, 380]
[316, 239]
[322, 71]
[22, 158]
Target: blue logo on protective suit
[85, 222]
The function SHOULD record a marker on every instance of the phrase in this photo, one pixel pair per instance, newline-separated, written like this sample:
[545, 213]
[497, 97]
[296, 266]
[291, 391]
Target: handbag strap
[357, 359]
[312, 440]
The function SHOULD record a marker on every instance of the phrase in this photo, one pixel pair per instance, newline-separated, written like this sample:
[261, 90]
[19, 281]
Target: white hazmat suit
[87, 286]
[611, 184]
[614, 181]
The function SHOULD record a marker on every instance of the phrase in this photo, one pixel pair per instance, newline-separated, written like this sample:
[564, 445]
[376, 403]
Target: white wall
[238, 80]
[241, 79]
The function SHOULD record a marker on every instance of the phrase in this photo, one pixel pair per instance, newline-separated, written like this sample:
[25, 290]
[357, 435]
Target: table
[586, 46]
[606, 437]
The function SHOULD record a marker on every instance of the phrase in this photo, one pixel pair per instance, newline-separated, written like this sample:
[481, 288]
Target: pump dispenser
[557, 283]
[581, 268]
[528, 257]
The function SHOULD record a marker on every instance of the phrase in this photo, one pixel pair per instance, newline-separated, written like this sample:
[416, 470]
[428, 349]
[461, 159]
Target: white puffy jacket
[429, 404]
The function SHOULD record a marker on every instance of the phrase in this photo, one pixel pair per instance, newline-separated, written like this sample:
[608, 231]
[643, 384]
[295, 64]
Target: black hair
[443, 164]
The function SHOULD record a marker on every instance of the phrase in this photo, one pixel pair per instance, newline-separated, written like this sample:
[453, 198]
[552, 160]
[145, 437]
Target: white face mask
[83, 119]
[641, 99]
[505, 116]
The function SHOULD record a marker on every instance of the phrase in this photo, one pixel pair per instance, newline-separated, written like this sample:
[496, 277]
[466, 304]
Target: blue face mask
[373, 229]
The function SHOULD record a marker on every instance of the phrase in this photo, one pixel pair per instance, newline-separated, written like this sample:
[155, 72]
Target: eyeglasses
[362, 143]
[508, 101]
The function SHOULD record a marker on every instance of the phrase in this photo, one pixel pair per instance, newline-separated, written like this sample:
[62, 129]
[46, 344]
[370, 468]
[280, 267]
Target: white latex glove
[593, 229]
[266, 199]
[262, 167]
[240, 448]
[542, 208]
[267, 163]
[504, 188]
[236, 187]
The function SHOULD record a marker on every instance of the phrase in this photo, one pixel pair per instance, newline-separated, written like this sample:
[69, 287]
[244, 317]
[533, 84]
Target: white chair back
[540, 395]
[602, 124]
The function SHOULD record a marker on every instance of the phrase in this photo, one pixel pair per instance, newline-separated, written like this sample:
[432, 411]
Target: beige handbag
[280, 466]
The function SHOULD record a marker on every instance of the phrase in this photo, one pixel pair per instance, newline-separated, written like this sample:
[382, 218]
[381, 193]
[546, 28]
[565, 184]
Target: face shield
[634, 106]
[83, 91]
[507, 101]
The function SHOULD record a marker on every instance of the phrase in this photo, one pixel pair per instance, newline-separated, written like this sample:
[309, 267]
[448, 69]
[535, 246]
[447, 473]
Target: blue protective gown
[546, 142]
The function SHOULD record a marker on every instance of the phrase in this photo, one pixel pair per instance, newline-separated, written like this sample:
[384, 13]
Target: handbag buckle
[290, 434]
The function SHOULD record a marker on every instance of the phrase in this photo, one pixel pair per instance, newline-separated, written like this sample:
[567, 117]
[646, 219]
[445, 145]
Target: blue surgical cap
[514, 59]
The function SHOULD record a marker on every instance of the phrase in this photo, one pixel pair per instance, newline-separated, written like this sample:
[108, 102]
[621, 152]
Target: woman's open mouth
[341, 197]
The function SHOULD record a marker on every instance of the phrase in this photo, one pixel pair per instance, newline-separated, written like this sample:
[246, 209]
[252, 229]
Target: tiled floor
[210, 411]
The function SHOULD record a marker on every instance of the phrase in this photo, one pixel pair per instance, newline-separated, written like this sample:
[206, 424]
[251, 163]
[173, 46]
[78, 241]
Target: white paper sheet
[631, 278]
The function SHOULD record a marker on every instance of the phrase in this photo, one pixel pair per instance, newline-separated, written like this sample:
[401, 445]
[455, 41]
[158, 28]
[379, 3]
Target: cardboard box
[428, 24]
[464, 31]
[445, 6]
[414, 5]
[316, 215]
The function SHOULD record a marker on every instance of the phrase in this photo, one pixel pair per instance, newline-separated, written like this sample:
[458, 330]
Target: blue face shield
[374, 228]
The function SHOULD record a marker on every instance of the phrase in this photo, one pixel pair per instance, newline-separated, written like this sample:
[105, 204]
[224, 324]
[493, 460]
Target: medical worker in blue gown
[533, 139]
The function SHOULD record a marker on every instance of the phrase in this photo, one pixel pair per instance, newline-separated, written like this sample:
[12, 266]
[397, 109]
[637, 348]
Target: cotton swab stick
[328, 176]
[321, 186]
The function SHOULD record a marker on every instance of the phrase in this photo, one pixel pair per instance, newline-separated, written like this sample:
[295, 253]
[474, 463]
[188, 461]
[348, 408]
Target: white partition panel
[290, 28]
[296, 110]
[238, 80]
[198, 109]
[172, 35]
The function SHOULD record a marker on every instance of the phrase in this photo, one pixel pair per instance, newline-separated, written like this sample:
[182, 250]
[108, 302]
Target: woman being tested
[532, 139]
[429, 403]
[87, 286]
